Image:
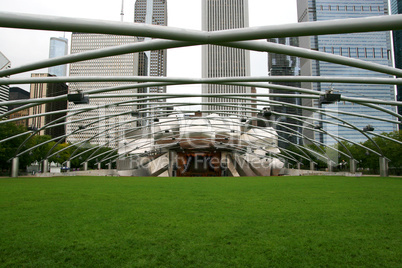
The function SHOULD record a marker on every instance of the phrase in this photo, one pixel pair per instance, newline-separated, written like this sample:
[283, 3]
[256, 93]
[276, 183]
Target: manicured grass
[200, 222]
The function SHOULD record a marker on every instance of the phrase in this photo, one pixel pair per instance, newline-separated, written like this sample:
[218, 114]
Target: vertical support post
[312, 166]
[353, 165]
[329, 163]
[68, 165]
[172, 163]
[110, 165]
[99, 166]
[298, 165]
[15, 167]
[45, 166]
[224, 164]
[85, 166]
[384, 172]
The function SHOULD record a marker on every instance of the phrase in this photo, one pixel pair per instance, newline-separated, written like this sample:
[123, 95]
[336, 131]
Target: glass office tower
[374, 47]
[285, 65]
[151, 63]
[58, 48]
[152, 12]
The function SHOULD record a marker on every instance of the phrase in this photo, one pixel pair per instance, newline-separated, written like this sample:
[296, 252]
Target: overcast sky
[26, 46]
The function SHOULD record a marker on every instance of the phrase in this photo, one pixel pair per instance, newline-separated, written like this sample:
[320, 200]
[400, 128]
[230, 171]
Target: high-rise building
[4, 64]
[152, 63]
[285, 65]
[58, 48]
[218, 61]
[396, 8]
[107, 130]
[16, 93]
[373, 47]
[46, 90]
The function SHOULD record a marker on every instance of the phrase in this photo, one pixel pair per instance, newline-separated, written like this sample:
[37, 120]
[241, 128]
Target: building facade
[16, 93]
[396, 8]
[285, 65]
[374, 47]
[4, 64]
[58, 48]
[218, 61]
[152, 63]
[109, 127]
[47, 90]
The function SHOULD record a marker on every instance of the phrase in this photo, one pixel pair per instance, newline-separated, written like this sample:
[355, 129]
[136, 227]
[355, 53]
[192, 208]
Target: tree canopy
[367, 160]
[9, 148]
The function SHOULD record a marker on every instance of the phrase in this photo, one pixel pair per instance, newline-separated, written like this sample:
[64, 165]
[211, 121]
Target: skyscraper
[17, 93]
[285, 65]
[107, 128]
[4, 64]
[46, 90]
[58, 48]
[220, 61]
[374, 47]
[152, 12]
[396, 8]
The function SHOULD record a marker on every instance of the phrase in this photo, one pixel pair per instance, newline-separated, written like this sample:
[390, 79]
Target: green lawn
[200, 222]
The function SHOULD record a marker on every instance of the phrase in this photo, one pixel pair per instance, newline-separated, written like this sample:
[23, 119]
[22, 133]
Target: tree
[9, 148]
[391, 150]
[86, 151]
[370, 160]
[39, 153]
[366, 159]
[60, 155]
[313, 156]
